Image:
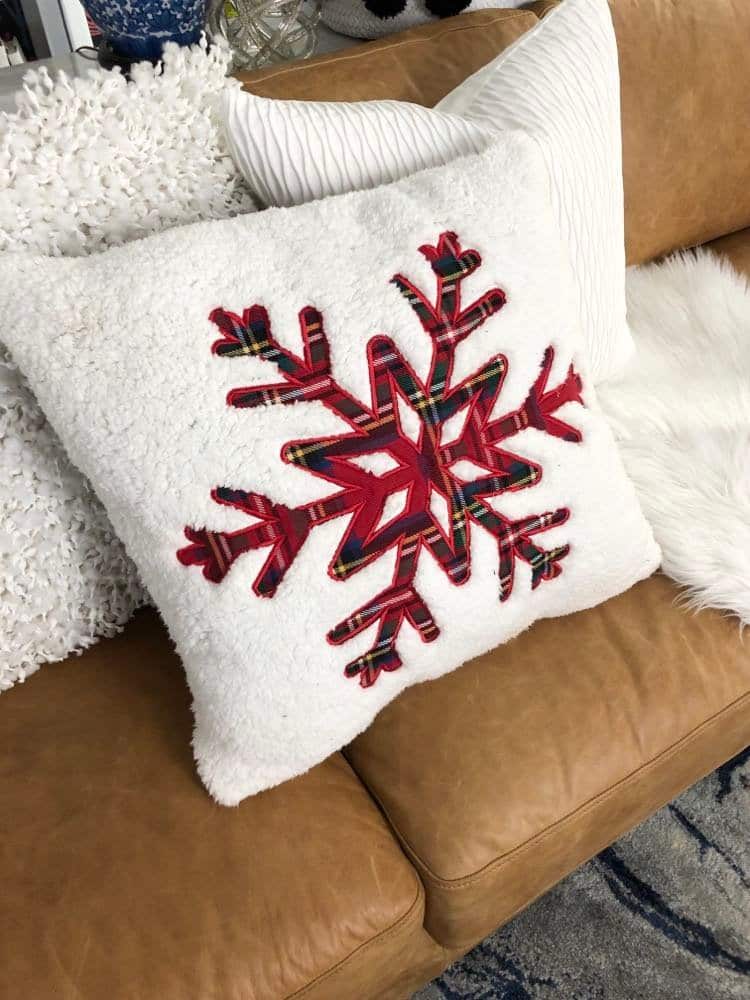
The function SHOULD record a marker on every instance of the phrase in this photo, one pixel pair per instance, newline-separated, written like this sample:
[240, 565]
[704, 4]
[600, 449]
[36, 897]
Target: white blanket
[681, 415]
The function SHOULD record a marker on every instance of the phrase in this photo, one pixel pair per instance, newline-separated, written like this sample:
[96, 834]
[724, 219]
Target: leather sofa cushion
[504, 776]
[122, 879]
[421, 65]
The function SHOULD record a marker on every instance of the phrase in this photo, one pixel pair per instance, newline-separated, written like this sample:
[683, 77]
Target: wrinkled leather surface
[503, 776]
[686, 121]
[122, 880]
[421, 65]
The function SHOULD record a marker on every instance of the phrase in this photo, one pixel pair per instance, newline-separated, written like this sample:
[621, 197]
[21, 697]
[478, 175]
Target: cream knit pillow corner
[559, 83]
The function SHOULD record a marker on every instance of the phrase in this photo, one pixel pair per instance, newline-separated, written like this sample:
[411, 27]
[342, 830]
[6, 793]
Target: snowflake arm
[283, 528]
[389, 609]
[444, 321]
[540, 406]
[304, 379]
[514, 540]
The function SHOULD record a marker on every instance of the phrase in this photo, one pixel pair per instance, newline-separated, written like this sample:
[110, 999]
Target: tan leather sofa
[470, 795]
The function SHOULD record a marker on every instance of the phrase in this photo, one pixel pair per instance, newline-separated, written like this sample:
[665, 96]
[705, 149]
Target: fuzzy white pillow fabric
[559, 82]
[85, 164]
[349, 445]
[681, 414]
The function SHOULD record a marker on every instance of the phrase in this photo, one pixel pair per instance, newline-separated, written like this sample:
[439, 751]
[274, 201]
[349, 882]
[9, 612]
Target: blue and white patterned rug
[664, 914]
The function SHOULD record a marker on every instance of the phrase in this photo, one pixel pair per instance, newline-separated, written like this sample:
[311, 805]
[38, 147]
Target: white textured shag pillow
[559, 82]
[349, 445]
[85, 164]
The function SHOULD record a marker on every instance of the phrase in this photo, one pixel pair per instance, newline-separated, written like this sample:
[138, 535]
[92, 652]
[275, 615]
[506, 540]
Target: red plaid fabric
[422, 468]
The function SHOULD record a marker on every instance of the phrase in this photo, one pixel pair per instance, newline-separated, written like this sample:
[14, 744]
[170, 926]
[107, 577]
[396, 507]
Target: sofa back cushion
[421, 65]
[686, 118]
[685, 102]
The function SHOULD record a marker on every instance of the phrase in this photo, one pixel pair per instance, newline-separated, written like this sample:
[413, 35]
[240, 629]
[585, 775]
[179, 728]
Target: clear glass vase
[260, 32]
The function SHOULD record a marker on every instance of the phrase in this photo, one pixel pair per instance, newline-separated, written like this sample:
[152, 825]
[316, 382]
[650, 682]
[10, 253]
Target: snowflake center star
[427, 469]
[421, 467]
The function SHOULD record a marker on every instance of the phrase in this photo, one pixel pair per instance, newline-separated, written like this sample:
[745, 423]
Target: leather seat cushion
[503, 776]
[121, 878]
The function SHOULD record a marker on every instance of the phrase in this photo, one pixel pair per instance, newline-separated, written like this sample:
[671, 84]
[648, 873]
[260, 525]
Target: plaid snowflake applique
[424, 464]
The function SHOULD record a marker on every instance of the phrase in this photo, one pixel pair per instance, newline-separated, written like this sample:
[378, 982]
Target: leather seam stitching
[512, 15]
[582, 810]
[405, 919]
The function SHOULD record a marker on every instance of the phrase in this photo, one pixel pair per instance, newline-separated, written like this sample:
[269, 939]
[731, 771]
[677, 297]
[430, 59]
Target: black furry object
[446, 8]
[385, 8]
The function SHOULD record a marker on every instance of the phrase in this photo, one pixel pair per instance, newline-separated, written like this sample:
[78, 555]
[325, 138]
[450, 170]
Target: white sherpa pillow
[559, 82]
[85, 164]
[349, 445]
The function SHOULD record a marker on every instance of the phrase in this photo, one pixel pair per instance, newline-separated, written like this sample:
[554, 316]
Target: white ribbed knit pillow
[559, 83]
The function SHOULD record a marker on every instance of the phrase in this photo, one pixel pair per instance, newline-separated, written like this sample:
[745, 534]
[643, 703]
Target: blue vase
[140, 30]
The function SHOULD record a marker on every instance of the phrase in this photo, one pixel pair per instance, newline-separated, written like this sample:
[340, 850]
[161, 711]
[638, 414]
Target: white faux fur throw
[85, 164]
[681, 415]
[349, 445]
